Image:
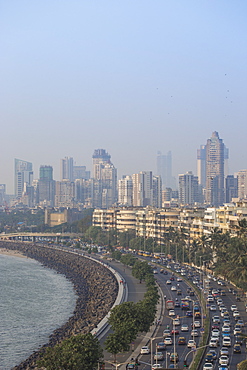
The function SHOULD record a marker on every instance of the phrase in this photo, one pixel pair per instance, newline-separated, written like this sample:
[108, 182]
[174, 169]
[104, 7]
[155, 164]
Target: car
[131, 366]
[179, 279]
[189, 313]
[174, 357]
[224, 351]
[176, 322]
[238, 340]
[223, 367]
[237, 331]
[213, 307]
[157, 366]
[213, 353]
[226, 329]
[240, 322]
[174, 331]
[158, 356]
[215, 326]
[181, 340]
[167, 340]
[161, 346]
[234, 307]
[197, 324]
[145, 350]
[173, 287]
[226, 321]
[209, 357]
[191, 343]
[194, 333]
[215, 333]
[171, 313]
[166, 333]
[210, 298]
[184, 327]
[197, 315]
[168, 282]
[226, 342]
[237, 348]
[223, 360]
[216, 319]
[235, 313]
[208, 366]
[177, 304]
[213, 343]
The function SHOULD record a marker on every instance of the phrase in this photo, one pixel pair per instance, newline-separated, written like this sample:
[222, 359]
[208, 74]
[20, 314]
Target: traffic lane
[228, 300]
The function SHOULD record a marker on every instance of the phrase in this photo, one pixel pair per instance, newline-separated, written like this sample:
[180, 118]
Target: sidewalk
[134, 291]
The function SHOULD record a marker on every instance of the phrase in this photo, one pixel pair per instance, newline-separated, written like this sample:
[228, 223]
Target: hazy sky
[132, 77]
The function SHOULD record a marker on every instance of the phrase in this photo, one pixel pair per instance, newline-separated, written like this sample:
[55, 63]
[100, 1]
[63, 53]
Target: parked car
[159, 356]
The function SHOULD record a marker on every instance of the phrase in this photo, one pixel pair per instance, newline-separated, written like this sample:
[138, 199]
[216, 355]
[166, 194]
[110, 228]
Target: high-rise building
[147, 189]
[80, 172]
[67, 165]
[164, 170]
[125, 190]
[23, 174]
[231, 188]
[45, 193]
[188, 189]
[201, 165]
[2, 193]
[242, 184]
[157, 192]
[105, 180]
[65, 194]
[212, 165]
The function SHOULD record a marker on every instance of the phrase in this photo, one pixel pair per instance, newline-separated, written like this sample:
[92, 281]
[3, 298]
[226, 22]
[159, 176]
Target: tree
[115, 344]
[141, 270]
[79, 352]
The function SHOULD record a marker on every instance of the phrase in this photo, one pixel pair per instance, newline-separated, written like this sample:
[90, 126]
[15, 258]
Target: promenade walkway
[136, 291]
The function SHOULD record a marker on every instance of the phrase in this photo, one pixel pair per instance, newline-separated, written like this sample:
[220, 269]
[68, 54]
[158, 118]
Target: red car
[175, 330]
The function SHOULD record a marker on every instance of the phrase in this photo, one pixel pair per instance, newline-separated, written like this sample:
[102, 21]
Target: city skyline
[134, 78]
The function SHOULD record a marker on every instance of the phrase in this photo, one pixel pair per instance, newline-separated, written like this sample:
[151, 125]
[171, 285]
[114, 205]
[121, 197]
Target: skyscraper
[215, 154]
[188, 189]
[231, 188]
[105, 180]
[164, 169]
[67, 165]
[46, 186]
[242, 184]
[23, 174]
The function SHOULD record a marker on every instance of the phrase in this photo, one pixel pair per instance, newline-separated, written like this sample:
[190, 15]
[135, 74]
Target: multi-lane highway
[175, 288]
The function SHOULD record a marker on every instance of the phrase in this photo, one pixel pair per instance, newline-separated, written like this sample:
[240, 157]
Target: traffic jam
[182, 329]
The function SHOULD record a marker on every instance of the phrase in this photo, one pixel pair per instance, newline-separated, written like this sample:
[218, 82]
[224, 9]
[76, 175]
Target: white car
[226, 342]
[166, 333]
[194, 333]
[223, 360]
[216, 319]
[172, 313]
[215, 333]
[197, 324]
[191, 343]
[145, 350]
[157, 366]
[210, 298]
[173, 287]
[224, 351]
[168, 340]
[184, 327]
[237, 331]
[226, 329]
[235, 313]
[213, 307]
[240, 323]
[213, 343]
[208, 366]
[234, 307]
[176, 322]
[159, 356]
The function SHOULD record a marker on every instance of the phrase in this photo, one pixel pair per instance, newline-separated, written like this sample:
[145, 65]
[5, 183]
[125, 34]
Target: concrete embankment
[95, 286]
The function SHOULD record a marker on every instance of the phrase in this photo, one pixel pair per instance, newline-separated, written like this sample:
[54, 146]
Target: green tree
[141, 270]
[80, 352]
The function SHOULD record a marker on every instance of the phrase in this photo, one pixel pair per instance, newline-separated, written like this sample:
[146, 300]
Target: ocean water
[34, 301]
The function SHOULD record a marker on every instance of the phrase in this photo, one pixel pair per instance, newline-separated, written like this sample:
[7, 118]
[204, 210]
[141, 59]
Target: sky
[131, 77]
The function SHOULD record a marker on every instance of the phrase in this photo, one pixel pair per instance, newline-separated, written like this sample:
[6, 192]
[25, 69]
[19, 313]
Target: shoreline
[95, 286]
[12, 253]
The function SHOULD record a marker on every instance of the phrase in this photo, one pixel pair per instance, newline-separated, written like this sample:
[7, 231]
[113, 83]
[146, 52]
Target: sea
[34, 301]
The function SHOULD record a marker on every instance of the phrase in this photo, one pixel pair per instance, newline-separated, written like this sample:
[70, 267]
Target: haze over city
[134, 78]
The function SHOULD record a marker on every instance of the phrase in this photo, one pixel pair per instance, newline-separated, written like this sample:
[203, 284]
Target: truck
[169, 304]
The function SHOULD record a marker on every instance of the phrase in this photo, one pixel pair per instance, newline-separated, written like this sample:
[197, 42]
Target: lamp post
[151, 348]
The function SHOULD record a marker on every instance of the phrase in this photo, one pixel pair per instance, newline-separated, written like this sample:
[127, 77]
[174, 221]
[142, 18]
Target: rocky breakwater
[95, 286]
